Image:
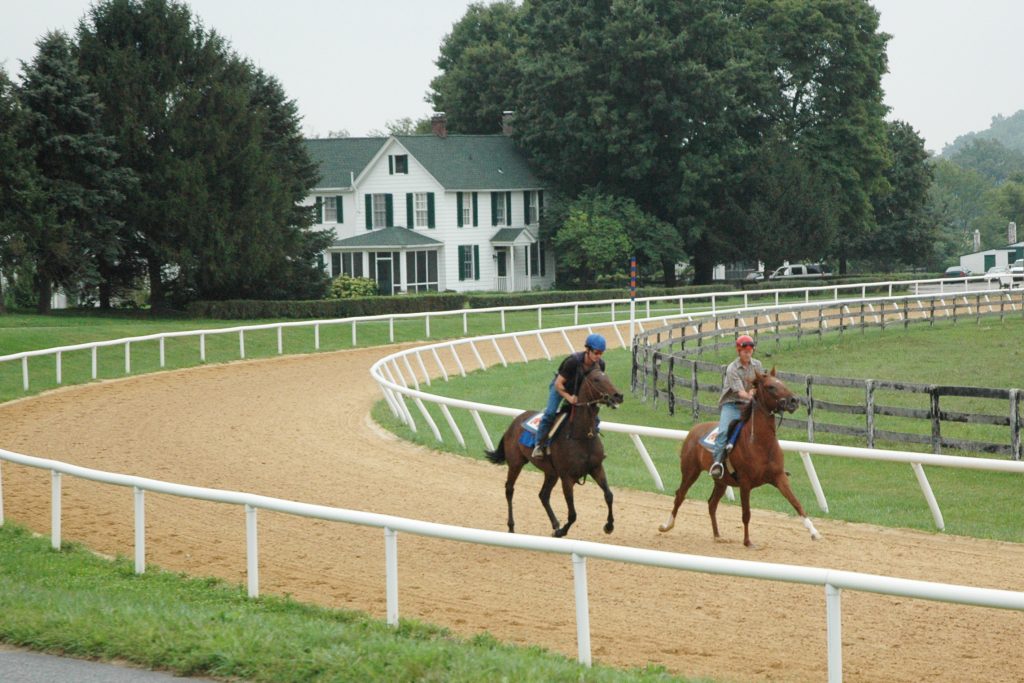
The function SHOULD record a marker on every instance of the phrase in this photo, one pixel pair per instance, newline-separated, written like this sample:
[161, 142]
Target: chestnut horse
[756, 458]
[575, 452]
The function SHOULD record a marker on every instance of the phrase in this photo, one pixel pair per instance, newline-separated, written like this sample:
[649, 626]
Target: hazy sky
[356, 65]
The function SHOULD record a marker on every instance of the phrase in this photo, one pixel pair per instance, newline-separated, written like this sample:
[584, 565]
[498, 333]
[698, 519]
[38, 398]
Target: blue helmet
[595, 342]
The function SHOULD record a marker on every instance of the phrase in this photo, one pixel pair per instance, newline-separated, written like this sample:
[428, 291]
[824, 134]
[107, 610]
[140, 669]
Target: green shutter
[341, 209]
[540, 205]
[430, 210]
[318, 206]
[494, 208]
[409, 217]
[369, 212]
[476, 261]
[508, 208]
[526, 207]
[458, 209]
[391, 164]
[462, 263]
[389, 206]
[476, 219]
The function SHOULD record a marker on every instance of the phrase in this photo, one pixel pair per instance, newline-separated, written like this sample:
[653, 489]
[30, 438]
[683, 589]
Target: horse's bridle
[604, 399]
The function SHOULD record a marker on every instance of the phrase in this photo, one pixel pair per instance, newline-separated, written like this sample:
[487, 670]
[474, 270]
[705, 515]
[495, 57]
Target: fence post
[1015, 423]
[654, 378]
[810, 408]
[632, 380]
[695, 387]
[933, 393]
[869, 410]
[671, 385]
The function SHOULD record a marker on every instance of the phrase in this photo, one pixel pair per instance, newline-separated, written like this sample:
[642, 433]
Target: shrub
[348, 287]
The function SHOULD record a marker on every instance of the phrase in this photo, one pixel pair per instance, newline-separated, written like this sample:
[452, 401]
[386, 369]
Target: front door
[502, 263]
[384, 285]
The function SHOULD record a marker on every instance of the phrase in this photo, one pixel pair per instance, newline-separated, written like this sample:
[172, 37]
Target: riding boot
[538, 449]
[717, 470]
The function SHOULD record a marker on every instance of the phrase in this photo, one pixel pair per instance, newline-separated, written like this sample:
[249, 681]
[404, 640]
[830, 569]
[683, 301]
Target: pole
[632, 298]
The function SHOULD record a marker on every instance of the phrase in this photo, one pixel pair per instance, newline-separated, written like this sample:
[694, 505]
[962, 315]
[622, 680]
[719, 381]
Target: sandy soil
[299, 428]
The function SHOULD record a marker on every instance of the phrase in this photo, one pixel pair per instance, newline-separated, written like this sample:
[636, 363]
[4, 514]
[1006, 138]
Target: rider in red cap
[736, 391]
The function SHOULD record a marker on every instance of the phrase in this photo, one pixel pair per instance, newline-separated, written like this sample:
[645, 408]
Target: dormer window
[398, 163]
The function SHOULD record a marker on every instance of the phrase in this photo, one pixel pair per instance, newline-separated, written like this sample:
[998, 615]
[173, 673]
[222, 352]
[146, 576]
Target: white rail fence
[833, 581]
[710, 302]
[397, 377]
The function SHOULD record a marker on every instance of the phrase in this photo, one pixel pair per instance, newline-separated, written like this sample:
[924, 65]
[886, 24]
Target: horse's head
[773, 394]
[597, 388]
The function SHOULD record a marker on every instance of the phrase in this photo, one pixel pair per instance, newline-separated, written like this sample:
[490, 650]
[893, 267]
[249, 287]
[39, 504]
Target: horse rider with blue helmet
[566, 383]
[737, 391]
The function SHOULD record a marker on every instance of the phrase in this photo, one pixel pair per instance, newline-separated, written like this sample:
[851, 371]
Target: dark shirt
[572, 370]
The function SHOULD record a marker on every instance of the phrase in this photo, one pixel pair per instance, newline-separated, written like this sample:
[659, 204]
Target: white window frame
[499, 209]
[331, 209]
[380, 210]
[534, 216]
[419, 203]
[467, 209]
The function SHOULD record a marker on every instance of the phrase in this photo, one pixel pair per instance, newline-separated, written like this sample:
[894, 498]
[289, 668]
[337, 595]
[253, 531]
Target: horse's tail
[497, 456]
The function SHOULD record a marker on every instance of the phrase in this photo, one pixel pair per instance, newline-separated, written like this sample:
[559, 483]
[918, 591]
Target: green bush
[348, 287]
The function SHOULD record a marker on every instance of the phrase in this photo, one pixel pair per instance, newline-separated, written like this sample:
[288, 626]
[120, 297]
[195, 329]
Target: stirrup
[717, 470]
[538, 452]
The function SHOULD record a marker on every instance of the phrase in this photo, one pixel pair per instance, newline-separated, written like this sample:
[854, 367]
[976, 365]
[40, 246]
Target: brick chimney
[507, 121]
[439, 124]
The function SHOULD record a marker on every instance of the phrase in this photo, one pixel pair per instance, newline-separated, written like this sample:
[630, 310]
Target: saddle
[708, 442]
[531, 425]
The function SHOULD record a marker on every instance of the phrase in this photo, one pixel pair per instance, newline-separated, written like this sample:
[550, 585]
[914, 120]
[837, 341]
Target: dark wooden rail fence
[667, 366]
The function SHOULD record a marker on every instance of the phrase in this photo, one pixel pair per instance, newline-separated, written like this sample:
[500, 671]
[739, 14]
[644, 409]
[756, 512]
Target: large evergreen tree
[76, 182]
[215, 144]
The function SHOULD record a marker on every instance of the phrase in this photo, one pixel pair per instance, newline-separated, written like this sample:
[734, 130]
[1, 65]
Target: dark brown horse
[756, 458]
[575, 452]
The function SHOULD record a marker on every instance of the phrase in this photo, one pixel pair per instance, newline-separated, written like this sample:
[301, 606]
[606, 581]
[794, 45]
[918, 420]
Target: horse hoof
[815, 537]
[559, 533]
[608, 528]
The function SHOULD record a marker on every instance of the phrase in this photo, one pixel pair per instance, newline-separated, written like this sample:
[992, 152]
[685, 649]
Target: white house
[431, 212]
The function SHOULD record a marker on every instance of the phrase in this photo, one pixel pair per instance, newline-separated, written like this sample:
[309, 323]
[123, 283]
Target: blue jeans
[730, 412]
[550, 410]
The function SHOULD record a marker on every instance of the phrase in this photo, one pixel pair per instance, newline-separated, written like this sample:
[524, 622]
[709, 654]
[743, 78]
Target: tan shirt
[737, 377]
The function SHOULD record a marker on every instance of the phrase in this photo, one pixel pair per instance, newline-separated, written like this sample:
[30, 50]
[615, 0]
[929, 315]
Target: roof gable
[394, 237]
[342, 159]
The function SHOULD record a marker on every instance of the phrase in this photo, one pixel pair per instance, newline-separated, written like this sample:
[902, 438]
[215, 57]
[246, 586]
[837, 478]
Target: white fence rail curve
[711, 302]
[397, 377]
[833, 581]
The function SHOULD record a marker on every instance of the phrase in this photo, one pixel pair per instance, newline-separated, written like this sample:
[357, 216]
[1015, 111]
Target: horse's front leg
[567, 484]
[782, 484]
[602, 481]
[545, 497]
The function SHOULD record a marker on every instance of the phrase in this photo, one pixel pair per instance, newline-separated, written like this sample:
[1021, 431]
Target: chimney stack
[507, 119]
[1011, 233]
[439, 124]
[977, 240]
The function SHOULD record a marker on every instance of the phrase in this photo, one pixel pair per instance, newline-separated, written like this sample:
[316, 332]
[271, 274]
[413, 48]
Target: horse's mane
[747, 410]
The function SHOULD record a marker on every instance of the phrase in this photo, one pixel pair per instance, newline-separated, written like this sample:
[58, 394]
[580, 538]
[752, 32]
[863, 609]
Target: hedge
[244, 309]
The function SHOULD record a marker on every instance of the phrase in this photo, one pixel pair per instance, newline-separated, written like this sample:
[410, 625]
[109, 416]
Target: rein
[777, 412]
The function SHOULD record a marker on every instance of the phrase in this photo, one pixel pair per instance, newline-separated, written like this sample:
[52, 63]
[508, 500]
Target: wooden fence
[667, 367]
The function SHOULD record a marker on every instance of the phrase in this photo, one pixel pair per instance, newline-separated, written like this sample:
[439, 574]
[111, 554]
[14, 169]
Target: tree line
[740, 130]
[145, 148]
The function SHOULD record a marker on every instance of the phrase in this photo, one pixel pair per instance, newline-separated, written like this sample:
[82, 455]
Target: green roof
[472, 162]
[391, 238]
[509, 235]
[457, 162]
[341, 159]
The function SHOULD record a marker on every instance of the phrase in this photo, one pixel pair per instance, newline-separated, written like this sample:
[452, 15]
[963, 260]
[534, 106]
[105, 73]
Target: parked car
[800, 270]
[957, 271]
[755, 276]
[994, 273]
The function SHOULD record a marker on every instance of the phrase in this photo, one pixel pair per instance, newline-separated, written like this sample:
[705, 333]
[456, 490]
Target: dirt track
[299, 428]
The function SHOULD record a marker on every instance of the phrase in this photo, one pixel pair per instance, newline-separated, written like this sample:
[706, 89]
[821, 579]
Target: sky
[356, 65]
